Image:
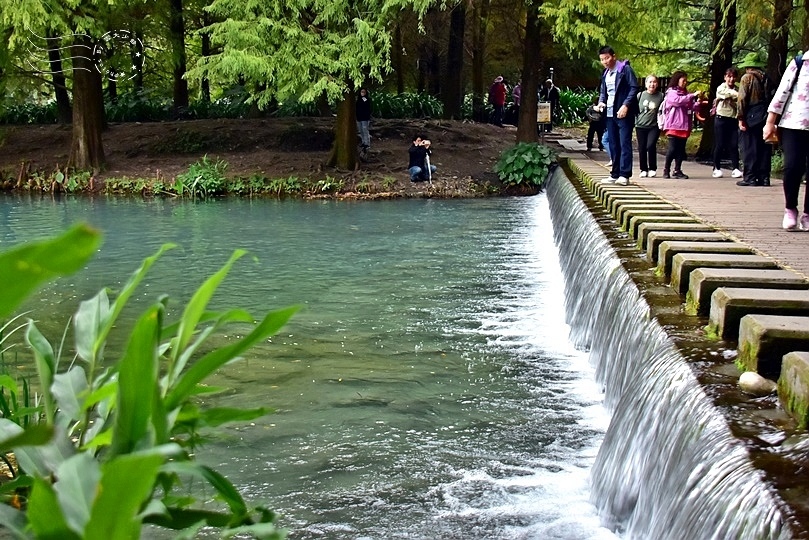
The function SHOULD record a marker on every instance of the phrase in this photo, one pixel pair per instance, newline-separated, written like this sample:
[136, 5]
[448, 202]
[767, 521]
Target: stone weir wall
[738, 319]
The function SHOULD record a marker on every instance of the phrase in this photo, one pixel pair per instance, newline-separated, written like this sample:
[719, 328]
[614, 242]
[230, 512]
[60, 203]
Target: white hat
[498, 79]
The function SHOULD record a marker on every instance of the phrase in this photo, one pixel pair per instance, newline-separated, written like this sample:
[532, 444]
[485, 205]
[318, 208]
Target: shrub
[114, 436]
[525, 164]
[573, 104]
[203, 179]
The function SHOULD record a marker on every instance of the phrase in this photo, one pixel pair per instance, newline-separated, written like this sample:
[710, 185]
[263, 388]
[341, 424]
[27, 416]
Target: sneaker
[765, 182]
[746, 183]
[622, 181]
[652, 174]
[737, 173]
[717, 173]
[609, 163]
[679, 174]
[643, 174]
[804, 222]
[609, 180]
[790, 222]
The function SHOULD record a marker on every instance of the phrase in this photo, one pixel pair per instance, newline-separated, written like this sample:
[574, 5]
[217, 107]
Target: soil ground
[274, 148]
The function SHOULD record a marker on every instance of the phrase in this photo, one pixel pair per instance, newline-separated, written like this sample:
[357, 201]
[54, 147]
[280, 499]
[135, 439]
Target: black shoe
[666, 173]
[765, 182]
[679, 174]
[747, 183]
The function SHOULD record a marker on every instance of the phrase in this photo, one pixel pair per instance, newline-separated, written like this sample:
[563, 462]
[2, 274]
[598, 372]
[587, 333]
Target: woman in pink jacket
[677, 108]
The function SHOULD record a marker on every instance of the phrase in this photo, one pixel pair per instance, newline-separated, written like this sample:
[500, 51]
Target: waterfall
[669, 466]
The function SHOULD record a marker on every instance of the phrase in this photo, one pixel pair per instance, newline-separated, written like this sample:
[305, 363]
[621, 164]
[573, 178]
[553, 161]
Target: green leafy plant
[203, 179]
[573, 104]
[112, 445]
[525, 164]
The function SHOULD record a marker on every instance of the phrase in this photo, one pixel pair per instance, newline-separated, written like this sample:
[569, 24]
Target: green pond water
[426, 389]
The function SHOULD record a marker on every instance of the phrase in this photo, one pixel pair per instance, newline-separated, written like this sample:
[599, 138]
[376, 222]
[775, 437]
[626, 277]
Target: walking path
[751, 215]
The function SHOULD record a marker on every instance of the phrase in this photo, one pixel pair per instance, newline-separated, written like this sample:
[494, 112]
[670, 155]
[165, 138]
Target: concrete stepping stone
[793, 386]
[704, 281]
[684, 263]
[765, 339]
[730, 304]
[646, 228]
[656, 237]
[611, 200]
[622, 210]
[670, 248]
[651, 213]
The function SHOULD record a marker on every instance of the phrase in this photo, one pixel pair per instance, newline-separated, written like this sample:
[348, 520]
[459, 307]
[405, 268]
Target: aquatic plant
[525, 164]
[112, 447]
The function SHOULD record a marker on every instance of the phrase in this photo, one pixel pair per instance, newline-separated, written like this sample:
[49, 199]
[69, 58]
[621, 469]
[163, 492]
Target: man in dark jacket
[419, 165]
[619, 86]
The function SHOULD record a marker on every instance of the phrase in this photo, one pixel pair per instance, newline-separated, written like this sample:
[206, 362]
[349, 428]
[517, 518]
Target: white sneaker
[717, 173]
[790, 222]
[643, 174]
[737, 173]
[622, 181]
[609, 180]
[609, 163]
[804, 222]
[652, 174]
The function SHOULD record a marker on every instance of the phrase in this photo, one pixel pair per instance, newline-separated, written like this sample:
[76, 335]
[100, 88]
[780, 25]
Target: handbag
[756, 114]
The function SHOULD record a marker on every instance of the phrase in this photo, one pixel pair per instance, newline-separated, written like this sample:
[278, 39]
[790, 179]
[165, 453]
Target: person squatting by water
[364, 119]
[755, 91]
[618, 90]
[677, 108]
[726, 128]
[789, 108]
[649, 102]
[419, 152]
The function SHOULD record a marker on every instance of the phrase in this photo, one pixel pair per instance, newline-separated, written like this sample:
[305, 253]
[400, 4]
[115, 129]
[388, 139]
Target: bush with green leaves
[525, 164]
[112, 444]
[407, 105]
[203, 179]
[573, 105]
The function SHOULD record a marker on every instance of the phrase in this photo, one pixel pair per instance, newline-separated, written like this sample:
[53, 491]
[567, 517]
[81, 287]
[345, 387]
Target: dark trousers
[619, 132]
[647, 147]
[596, 128]
[794, 143]
[497, 115]
[676, 153]
[757, 155]
[725, 137]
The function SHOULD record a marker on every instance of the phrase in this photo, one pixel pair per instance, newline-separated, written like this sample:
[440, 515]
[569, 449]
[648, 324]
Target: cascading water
[669, 466]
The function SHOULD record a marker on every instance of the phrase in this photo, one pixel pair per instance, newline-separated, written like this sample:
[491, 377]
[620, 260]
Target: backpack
[593, 114]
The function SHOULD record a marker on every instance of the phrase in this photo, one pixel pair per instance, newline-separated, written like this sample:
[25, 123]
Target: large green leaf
[68, 390]
[212, 361]
[25, 268]
[137, 382]
[45, 514]
[126, 483]
[89, 321]
[194, 310]
[77, 488]
[222, 485]
[14, 520]
[46, 366]
[12, 435]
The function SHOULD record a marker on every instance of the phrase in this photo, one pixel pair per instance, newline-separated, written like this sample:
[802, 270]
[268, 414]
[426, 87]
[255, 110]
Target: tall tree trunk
[527, 123]
[206, 51]
[721, 58]
[397, 59]
[344, 152]
[112, 90]
[481, 19]
[177, 38]
[63, 112]
[453, 78]
[777, 50]
[86, 150]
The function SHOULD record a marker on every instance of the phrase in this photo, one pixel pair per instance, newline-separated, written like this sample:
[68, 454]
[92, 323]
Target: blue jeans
[417, 174]
[363, 129]
[620, 137]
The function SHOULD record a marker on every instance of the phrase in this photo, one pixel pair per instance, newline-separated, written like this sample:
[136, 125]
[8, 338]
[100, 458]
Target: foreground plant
[114, 437]
[525, 164]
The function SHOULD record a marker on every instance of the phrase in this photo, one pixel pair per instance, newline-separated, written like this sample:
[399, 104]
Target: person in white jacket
[789, 108]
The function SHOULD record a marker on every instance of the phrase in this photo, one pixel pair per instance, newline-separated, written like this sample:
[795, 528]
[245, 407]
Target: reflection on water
[426, 389]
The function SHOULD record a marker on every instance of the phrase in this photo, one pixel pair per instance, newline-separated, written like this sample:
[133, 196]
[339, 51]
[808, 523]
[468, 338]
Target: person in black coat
[364, 119]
